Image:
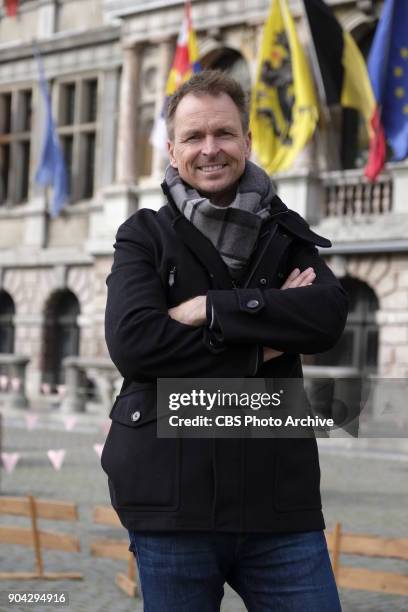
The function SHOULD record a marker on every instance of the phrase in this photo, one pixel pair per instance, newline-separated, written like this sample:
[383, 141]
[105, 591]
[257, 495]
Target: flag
[185, 63]
[342, 67]
[388, 69]
[283, 105]
[52, 169]
[11, 7]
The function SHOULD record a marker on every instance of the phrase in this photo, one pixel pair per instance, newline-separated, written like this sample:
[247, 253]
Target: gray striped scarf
[233, 229]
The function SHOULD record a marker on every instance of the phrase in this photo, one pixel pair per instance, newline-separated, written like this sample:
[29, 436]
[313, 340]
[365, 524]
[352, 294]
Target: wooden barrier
[367, 546]
[115, 549]
[36, 538]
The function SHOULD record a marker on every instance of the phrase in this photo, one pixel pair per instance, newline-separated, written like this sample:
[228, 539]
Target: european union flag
[388, 69]
[52, 169]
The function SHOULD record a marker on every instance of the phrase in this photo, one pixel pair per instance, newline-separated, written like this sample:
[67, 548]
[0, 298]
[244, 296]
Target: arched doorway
[60, 336]
[7, 311]
[358, 346]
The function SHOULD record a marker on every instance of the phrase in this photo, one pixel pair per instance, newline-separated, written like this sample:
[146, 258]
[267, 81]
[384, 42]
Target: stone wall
[387, 275]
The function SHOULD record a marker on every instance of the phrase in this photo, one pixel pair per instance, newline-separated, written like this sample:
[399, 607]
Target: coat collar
[204, 250]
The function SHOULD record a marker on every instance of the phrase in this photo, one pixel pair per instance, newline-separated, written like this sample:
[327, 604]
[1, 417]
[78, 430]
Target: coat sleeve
[144, 342]
[301, 320]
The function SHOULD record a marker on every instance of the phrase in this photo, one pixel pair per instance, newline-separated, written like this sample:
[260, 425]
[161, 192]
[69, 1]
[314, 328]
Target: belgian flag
[342, 66]
[11, 7]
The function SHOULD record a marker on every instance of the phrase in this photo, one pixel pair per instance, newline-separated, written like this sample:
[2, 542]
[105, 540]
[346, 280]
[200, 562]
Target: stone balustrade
[78, 370]
[12, 380]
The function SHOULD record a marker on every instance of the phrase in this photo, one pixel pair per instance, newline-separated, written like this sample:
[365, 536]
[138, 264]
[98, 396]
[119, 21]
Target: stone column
[47, 18]
[126, 144]
[75, 387]
[302, 191]
[107, 142]
[164, 64]
[399, 173]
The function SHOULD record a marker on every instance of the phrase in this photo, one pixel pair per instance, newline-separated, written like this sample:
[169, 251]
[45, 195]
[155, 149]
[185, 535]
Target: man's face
[209, 147]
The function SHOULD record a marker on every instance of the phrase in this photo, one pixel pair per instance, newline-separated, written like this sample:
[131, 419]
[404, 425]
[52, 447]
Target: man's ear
[248, 145]
[170, 148]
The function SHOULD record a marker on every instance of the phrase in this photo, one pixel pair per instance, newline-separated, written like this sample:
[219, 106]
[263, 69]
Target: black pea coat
[235, 485]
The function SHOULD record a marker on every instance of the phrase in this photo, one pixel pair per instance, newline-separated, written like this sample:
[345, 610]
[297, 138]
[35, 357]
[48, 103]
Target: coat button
[263, 281]
[280, 274]
[253, 304]
[135, 416]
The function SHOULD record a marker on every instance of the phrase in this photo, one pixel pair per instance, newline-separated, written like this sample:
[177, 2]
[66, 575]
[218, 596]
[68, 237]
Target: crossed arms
[146, 340]
[194, 311]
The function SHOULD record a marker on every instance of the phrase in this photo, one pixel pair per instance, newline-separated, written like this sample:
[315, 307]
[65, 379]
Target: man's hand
[299, 279]
[191, 312]
[295, 279]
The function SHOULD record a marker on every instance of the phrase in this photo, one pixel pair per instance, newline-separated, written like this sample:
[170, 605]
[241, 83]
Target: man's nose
[210, 146]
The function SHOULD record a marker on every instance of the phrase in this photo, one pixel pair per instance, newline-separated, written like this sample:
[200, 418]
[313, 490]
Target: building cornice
[127, 8]
[63, 41]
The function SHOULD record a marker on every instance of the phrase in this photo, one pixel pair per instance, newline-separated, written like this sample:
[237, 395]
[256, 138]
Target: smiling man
[222, 282]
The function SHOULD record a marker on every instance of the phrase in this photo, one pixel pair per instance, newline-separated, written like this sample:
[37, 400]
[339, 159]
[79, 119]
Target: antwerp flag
[184, 64]
[284, 108]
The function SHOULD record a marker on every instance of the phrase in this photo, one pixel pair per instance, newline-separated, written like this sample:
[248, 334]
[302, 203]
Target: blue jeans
[186, 571]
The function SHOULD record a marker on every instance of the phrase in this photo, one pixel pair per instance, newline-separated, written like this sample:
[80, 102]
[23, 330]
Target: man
[223, 281]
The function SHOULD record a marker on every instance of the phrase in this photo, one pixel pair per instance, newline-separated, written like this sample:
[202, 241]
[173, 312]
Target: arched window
[231, 62]
[61, 335]
[7, 311]
[358, 346]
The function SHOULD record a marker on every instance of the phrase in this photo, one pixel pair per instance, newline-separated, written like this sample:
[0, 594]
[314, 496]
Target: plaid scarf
[233, 229]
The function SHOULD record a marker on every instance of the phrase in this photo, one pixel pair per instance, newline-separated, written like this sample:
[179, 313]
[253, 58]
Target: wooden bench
[36, 538]
[115, 549]
[367, 546]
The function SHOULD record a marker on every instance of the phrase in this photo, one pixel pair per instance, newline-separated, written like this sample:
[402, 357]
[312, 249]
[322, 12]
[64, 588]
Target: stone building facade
[107, 62]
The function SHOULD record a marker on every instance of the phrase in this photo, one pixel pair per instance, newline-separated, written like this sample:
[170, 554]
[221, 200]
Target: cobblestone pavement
[366, 487]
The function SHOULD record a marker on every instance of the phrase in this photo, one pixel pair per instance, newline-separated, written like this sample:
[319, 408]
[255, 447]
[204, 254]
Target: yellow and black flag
[342, 66]
[283, 106]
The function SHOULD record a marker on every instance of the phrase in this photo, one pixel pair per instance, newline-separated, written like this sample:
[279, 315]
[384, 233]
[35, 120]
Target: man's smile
[210, 168]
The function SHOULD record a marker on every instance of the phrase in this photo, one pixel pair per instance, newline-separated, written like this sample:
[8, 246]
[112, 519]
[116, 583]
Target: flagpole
[331, 152]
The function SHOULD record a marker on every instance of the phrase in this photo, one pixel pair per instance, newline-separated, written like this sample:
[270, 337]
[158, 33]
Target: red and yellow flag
[11, 7]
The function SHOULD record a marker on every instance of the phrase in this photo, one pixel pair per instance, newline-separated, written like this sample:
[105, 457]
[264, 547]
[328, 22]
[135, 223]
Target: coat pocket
[297, 475]
[143, 470]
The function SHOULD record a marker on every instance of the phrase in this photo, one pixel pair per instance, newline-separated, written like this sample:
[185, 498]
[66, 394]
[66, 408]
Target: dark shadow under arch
[60, 335]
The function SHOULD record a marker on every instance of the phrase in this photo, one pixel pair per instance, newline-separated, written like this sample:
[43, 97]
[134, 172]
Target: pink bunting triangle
[10, 461]
[56, 457]
[98, 448]
[105, 426]
[16, 384]
[31, 420]
[69, 422]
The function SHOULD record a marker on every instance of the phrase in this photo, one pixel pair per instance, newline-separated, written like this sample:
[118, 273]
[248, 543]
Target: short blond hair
[213, 83]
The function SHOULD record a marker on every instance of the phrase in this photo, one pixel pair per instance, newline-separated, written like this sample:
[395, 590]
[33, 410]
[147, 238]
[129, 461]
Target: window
[358, 346]
[15, 145]
[61, 335]
[77, 128]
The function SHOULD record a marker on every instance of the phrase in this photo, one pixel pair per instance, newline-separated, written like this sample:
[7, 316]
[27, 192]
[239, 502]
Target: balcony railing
[349, 194]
